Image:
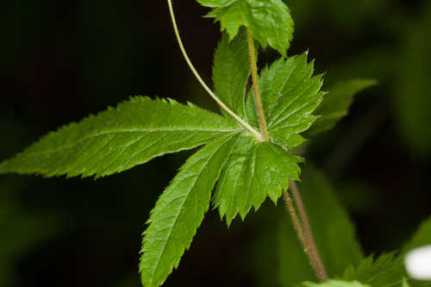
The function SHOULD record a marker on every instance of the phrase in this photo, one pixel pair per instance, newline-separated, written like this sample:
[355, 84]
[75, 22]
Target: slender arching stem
[202, 82]
[255, 82]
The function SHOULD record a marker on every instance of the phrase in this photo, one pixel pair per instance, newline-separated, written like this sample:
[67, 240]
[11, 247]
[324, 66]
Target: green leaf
[290, 94]
[254, 172]
[216, 3]
[385, 271]
[334, 283]
[421, 238]
[179, 212]
[334, 233]
[411, 87]
[269, 20]
[119, 139]
[388, 270]
[405, 283]
[336, 104]
[22, 231]
[231, 72]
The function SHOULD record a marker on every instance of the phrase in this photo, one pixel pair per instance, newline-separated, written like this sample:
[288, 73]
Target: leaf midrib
[124, 131]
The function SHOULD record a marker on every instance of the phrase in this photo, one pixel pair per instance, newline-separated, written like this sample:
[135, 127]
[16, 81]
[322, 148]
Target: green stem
[299, 230]
[308, 237]
[202, 82]
[255, 82]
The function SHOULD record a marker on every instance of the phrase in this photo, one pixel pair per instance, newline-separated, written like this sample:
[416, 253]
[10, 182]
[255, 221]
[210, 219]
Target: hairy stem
[297, 226]
[222, 105]
[258, 99]
[294, 216]
[309, 240]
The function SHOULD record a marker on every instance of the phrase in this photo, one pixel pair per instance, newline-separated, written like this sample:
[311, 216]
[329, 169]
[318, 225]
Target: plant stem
[258, 99]
[222, 105]
[297, 226]
[309, 240]
[294, 216]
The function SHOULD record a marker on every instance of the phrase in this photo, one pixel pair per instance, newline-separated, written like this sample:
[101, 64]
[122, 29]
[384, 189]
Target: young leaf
[336, 104]
[334, 233]
[290, 94]
[231, 72]
[121, 138]
[254, 172]
[385, 271]
[334, 283]
[179, 212]
[269, 20]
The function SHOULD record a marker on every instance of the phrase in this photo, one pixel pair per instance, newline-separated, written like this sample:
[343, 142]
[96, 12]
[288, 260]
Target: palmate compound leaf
[269, 20]
[120, 138]
[180, 210]
[335, 283]
[290, 94]
[261, 170]
[231, 72]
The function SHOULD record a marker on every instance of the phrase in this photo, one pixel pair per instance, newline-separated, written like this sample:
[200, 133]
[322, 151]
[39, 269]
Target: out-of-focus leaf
[279, 247]
[334, 283]
[336, 104]
[20, 231]
[385, 271]
[421, 238]
[413, 99]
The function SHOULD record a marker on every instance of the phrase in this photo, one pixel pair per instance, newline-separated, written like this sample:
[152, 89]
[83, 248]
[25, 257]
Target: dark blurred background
[62, 60]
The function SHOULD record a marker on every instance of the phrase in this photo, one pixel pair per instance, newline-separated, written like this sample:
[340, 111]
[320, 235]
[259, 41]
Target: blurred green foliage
[279, 255]
[21, 231]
